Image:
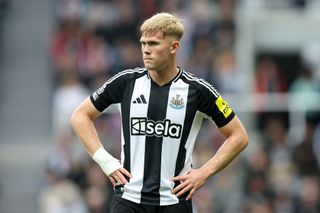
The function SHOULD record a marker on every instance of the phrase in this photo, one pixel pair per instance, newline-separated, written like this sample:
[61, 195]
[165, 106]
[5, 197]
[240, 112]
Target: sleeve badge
[223, 107]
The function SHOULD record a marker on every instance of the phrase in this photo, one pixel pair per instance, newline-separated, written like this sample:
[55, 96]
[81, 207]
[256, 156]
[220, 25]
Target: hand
[192, 181]
[118, 177]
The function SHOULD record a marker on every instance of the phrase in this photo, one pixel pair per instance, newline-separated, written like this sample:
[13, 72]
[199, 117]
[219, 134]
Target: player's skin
[82, 122]
[159, 57]
[236, 141]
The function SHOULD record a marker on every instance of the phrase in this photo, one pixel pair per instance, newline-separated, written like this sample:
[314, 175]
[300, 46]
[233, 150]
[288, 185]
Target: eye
[153, 43]
[142, 43]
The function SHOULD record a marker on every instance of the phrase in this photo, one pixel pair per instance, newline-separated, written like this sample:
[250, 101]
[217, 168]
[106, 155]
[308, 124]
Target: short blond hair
[166, 23]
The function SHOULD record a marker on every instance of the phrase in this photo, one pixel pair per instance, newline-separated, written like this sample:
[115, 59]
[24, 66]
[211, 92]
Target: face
[157, 51]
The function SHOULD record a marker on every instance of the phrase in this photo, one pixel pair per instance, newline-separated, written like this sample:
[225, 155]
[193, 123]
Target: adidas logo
[140, 100]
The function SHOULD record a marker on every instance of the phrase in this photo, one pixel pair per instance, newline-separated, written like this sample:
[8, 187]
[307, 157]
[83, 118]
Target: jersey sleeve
[110, 92]
[214, 106]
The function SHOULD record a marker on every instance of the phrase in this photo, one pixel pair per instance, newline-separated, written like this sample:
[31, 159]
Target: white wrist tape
[107, 162]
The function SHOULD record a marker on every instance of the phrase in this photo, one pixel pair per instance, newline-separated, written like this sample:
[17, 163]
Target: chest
[159, 110]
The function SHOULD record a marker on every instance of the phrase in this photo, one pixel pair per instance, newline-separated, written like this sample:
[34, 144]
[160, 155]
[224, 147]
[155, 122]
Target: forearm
[85, 130]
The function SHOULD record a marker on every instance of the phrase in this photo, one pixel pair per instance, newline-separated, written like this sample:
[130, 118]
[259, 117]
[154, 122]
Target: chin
[148, 67]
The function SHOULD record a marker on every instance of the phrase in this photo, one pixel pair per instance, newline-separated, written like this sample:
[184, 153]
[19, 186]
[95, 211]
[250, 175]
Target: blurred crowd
[94, 39]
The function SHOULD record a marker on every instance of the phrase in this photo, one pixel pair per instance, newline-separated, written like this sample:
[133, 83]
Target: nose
[145, 49]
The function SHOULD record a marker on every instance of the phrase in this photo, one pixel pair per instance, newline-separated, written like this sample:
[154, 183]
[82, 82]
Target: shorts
[120, 205]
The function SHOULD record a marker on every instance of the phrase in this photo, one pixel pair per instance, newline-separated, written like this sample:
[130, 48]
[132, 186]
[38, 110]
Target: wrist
[206, 171]
[107, 162]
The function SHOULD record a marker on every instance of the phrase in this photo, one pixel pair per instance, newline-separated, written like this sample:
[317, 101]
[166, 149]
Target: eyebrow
[149, 41]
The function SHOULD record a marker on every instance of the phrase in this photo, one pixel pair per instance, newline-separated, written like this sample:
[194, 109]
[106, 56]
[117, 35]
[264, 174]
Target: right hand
[118, 177]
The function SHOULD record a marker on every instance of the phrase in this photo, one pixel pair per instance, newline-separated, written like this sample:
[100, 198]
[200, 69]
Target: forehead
[158, 35]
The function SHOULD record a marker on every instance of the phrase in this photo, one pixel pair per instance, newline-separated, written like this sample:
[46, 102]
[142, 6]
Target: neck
[162, 77]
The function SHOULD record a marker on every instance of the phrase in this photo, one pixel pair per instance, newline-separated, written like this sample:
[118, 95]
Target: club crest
[177, 102]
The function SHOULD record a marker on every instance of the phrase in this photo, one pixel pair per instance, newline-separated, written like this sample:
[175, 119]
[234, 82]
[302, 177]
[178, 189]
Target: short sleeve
[214, 106]
[110, 92]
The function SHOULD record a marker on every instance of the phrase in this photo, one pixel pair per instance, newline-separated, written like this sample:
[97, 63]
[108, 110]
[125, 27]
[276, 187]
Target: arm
[82, 123]
[236, 141]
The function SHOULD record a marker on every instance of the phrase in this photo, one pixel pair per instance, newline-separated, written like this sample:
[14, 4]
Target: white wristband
[107, 162]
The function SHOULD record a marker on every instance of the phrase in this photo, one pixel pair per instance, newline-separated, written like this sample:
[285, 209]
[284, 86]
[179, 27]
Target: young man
[162, 107]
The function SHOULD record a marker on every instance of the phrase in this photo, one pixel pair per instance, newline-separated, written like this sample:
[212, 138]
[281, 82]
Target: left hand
[192, 181]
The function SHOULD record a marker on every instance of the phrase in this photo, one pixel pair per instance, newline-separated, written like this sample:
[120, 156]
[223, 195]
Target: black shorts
[120, 205]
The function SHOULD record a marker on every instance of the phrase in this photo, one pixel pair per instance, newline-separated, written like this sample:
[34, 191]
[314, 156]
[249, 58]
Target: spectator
[60, 195]
[303, 156]
[268, 77]
[304, 92]
[309, 196]
[67, 95]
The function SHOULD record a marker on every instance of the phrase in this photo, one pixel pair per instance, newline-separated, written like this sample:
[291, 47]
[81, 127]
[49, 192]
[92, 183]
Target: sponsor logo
[223, 106]
[143, 126]
[176, 102]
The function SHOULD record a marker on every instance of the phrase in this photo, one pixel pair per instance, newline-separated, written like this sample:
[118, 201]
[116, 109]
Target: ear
[175, 46]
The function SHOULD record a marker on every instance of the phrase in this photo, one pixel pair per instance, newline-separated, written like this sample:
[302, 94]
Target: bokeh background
[262, 55]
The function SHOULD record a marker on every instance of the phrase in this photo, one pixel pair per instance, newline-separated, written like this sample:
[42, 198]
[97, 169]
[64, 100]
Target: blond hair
[166, 23]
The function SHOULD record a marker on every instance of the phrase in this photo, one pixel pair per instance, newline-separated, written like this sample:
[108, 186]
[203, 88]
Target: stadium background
[262, 55]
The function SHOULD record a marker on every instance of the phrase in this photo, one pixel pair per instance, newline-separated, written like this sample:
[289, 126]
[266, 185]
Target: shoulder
[128, 74]
[120, 79]
[199, 84]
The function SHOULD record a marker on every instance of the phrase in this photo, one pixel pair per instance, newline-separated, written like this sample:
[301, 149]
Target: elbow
[244, 140]
[74, 118]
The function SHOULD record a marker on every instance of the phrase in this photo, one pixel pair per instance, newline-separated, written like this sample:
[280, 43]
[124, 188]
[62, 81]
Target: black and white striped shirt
[159, 128]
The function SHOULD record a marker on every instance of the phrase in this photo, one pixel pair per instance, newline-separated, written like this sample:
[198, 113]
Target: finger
[191, 194]
[179, 187]
[184, 190]
[122, 178]
[113, 181]
[179, 178]
[125, 172]
[116, 177]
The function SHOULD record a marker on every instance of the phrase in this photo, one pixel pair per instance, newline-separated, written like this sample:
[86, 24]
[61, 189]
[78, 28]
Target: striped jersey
[159, 128]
